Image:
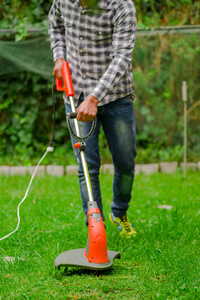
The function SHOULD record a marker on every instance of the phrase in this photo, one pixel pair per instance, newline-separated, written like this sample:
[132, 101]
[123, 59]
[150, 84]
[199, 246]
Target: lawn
[161, 262]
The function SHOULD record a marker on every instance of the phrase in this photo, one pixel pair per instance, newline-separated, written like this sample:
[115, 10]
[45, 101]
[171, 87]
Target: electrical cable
[54, 114]
[18, 215]
[49, 149]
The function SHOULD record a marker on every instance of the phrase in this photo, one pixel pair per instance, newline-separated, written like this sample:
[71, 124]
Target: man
[97, 39]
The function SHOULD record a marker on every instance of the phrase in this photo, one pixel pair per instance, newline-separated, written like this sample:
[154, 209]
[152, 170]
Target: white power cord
[49, 149]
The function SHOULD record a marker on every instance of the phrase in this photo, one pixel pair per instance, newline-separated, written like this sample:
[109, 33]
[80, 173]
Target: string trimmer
[95, 255]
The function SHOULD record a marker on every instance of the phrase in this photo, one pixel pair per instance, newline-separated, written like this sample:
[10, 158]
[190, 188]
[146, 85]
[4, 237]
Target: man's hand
[57, 71]
[88, 109]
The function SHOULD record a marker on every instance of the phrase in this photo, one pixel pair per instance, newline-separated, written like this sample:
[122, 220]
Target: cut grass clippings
[161, 262]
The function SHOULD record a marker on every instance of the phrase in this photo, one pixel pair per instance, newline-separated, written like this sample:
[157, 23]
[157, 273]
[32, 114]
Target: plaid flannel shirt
[97, 42]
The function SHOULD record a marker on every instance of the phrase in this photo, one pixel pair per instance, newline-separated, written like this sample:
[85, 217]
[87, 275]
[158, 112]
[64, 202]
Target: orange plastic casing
[67, 80]
[96, 249]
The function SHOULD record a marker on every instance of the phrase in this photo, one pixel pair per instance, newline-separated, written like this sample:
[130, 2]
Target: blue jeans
[118, 122]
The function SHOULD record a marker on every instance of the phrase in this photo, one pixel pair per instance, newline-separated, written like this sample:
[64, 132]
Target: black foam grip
[73, 115]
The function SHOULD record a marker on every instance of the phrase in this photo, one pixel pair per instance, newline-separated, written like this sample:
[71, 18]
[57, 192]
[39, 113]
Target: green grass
[162, 262]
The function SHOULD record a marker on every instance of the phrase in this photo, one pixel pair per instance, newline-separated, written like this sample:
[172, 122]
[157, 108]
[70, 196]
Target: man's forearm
[57, 33]
[123, 44]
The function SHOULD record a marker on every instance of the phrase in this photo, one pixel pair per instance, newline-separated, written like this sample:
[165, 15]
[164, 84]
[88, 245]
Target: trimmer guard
[76, 258]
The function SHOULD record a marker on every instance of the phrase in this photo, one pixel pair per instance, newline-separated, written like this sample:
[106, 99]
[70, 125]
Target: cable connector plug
[50, 149]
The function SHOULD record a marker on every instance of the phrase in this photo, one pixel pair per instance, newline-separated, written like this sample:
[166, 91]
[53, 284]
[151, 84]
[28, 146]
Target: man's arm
[124, 23]
[57, 38]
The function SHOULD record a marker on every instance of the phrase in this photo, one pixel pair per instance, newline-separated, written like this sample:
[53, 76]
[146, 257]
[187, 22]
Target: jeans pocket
[126, 101]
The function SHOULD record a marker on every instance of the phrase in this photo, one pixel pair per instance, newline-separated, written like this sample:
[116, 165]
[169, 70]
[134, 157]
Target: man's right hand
[57, 71]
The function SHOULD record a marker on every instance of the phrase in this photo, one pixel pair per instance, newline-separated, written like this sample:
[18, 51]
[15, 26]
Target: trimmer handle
[67, 80]
[73, 115]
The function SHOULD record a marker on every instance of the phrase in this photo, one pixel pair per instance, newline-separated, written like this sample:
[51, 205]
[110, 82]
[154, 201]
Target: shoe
[123, 224]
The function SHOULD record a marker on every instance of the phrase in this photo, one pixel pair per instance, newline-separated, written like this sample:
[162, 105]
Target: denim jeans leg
[118, 122]
[93, 162]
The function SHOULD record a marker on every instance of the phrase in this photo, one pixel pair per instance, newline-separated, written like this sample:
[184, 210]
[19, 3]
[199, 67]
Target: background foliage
[161, 63]
[149, 12]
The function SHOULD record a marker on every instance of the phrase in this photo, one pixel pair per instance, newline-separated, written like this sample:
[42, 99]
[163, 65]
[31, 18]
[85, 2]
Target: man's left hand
[87, 110]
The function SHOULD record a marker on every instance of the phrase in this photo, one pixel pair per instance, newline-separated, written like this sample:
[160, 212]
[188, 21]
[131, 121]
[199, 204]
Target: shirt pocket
[101, 34]
[69, 27]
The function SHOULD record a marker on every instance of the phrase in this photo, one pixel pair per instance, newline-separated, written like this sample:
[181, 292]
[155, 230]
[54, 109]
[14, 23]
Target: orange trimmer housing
[67, 80]
[96, 249]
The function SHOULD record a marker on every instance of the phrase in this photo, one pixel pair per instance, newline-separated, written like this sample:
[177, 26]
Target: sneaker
[123, 224]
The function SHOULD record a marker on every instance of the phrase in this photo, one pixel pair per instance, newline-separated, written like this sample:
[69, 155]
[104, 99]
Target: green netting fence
[32, 55]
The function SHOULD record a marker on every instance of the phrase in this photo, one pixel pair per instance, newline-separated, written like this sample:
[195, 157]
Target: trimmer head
[77, 258]
[95, 256]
